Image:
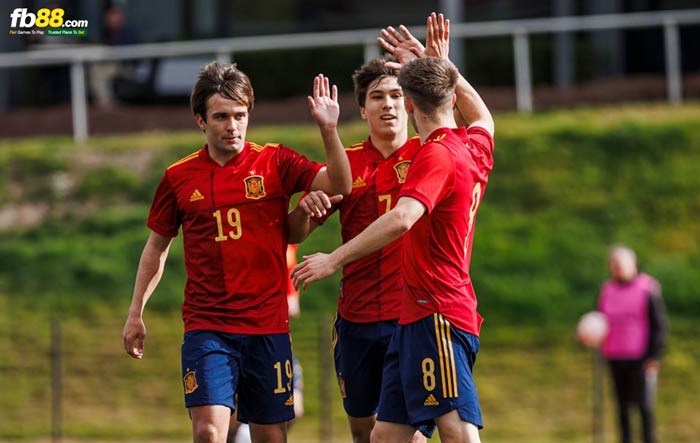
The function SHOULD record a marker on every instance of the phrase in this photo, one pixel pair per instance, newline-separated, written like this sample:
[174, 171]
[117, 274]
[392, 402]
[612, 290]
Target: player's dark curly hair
[370, 72]
[429, 82]
[219, 78]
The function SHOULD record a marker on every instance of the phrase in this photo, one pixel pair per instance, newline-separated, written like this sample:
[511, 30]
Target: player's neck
[426, 124]
[388, 145]
[220, 157]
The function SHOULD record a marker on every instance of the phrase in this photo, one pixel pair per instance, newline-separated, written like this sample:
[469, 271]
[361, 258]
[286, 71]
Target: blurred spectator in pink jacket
[636, 316]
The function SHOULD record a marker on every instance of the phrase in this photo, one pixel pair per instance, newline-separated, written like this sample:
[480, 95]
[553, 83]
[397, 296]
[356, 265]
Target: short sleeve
[295, 170]
[481, 138]
[164, 217]
[482, 145]
[431, 176]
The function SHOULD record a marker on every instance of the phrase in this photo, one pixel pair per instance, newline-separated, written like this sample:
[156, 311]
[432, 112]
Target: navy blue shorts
[216, 366]
[359, 350]
[428, 373]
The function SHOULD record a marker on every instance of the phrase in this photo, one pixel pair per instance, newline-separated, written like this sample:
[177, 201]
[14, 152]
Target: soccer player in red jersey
[368, 306]
[427, 379]
[372, 286]
[231, 200]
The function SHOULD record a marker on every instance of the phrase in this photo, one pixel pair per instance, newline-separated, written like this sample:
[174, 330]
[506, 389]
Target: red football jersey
[234, 225]
[372, 287]
[448, 175]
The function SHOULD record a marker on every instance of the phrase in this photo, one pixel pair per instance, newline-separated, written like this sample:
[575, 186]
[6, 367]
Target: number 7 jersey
[372, 286]
[234, 224]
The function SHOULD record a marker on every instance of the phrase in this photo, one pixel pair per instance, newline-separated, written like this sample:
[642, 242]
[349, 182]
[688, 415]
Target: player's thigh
[210, 368]
[359, 354]
[210, 423]
[268, 433]
[453, 429]
[388, 432]
[361, 428]
[265, 394]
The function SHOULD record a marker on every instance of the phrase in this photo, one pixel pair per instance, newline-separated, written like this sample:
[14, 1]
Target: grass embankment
[566, 185]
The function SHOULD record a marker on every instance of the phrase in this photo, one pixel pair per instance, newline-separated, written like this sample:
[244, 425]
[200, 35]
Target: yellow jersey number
[230, 227]
[386, 198]
[476, 199]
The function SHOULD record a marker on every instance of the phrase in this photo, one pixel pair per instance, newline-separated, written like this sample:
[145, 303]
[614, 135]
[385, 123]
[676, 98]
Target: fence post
[523, 80]
[371, 50]
[78, 101]
[56, 381]
[223, 56]
[325, 375]
[673, 61]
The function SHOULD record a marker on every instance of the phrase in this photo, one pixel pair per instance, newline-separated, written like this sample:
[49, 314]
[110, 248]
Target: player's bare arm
[335, 178]
[149, 272]
[315, 204]
[380, 233]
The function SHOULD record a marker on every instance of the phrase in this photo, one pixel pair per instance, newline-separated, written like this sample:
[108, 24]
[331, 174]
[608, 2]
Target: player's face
[384, 109]
[225, 127]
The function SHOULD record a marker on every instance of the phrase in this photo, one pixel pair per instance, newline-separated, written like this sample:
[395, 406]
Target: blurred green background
[565, 186]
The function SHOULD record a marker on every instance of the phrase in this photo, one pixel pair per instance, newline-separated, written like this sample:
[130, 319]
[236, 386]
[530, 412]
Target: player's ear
[454, 100]
[200, 122]
[363, 113]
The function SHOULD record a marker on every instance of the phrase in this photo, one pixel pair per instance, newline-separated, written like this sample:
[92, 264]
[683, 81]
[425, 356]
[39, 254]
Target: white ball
[592, 329]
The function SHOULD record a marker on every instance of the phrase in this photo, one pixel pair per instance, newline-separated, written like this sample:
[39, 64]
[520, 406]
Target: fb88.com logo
[22, 18]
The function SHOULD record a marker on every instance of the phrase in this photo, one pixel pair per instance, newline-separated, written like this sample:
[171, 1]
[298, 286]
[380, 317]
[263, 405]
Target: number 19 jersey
[233, 220]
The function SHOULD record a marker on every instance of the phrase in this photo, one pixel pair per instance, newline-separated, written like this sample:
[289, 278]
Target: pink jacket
[626, 307]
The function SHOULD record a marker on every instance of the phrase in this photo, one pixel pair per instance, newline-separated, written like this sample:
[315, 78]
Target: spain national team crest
[254, 187]
[401, 169]
[190, 382]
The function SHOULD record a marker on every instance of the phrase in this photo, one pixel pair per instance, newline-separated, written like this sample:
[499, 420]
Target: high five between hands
[405, 47]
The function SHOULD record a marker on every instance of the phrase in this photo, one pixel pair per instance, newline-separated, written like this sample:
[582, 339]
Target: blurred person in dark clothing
[637, 321]
[115, 32]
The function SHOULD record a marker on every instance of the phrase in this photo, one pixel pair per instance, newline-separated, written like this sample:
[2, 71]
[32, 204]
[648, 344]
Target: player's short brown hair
[370, 72]
[429, 82]
[220, 78]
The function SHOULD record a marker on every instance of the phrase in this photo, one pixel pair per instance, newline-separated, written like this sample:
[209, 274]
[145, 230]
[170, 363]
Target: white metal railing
[222, 49]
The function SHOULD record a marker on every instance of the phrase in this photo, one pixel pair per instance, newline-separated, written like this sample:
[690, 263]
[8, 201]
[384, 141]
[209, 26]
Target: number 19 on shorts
[283, 386]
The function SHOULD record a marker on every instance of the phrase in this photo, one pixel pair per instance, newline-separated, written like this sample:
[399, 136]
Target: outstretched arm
[380, 233]
[148, 275]
[335, 178]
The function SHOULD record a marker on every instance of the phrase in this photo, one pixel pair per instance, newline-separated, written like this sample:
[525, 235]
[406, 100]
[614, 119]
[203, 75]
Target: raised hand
[402, 44]
[324, 106]
[437, 43]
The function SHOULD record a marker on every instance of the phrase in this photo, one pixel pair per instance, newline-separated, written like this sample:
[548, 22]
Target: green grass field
[565, 186]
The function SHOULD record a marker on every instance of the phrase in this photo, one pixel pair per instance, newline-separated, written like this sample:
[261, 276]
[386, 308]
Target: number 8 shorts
[428, 373]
